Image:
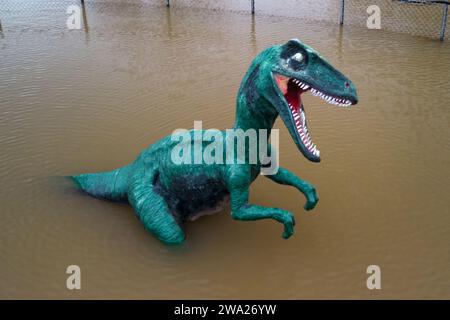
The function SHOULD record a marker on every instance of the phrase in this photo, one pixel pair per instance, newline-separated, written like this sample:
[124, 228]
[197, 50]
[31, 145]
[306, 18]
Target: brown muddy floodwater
[91, 99]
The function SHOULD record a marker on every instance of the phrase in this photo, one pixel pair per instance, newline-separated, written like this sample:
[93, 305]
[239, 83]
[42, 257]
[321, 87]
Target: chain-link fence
[423, 18]
[413, 17]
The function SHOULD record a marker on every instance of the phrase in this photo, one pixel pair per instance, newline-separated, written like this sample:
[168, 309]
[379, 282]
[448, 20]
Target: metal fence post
[253, 6]
[342, 12]
[444, 21]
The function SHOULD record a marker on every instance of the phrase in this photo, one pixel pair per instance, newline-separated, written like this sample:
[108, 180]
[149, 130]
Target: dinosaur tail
[111, 185]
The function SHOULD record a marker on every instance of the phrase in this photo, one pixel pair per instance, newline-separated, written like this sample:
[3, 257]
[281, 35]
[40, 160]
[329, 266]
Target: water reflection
[253, 35]
[169, 22]
[85, 20]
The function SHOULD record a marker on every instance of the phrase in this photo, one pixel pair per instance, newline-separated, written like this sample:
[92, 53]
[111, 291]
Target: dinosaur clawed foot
[289, 223]
[311, 199]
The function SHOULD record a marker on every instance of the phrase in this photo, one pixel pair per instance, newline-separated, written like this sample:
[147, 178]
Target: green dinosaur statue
[165, 194]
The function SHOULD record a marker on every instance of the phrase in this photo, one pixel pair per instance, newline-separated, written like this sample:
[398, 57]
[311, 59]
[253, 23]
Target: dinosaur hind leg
[110, 185]
[152, 209]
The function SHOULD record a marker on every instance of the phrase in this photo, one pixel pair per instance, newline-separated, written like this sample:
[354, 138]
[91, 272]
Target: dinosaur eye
[298, 57]
[296, 61]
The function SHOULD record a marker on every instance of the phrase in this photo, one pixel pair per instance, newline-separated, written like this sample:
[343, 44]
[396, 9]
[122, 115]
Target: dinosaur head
[287, 71]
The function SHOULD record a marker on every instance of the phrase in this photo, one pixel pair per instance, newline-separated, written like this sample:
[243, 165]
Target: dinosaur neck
[253, 111]
[249, 118]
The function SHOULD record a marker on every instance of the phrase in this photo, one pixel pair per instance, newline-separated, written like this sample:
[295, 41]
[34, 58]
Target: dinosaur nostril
[347, 84]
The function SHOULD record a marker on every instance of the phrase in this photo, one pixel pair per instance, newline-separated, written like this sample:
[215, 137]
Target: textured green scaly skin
[164, 195]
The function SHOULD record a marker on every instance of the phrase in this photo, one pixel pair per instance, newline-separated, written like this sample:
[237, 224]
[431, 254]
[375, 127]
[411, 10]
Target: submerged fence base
[428, 18]
[444, 21]
[404, 15]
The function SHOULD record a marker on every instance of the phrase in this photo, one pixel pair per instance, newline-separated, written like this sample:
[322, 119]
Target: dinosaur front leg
[152, 209]
[242, 210]
[284, 176]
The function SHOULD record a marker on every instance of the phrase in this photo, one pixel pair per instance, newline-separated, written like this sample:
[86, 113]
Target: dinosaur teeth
[333, 100]
[299, 118]
[300, 84]
[304, 135]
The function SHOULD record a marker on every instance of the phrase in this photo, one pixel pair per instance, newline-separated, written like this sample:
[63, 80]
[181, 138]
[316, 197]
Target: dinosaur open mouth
[292, 90]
